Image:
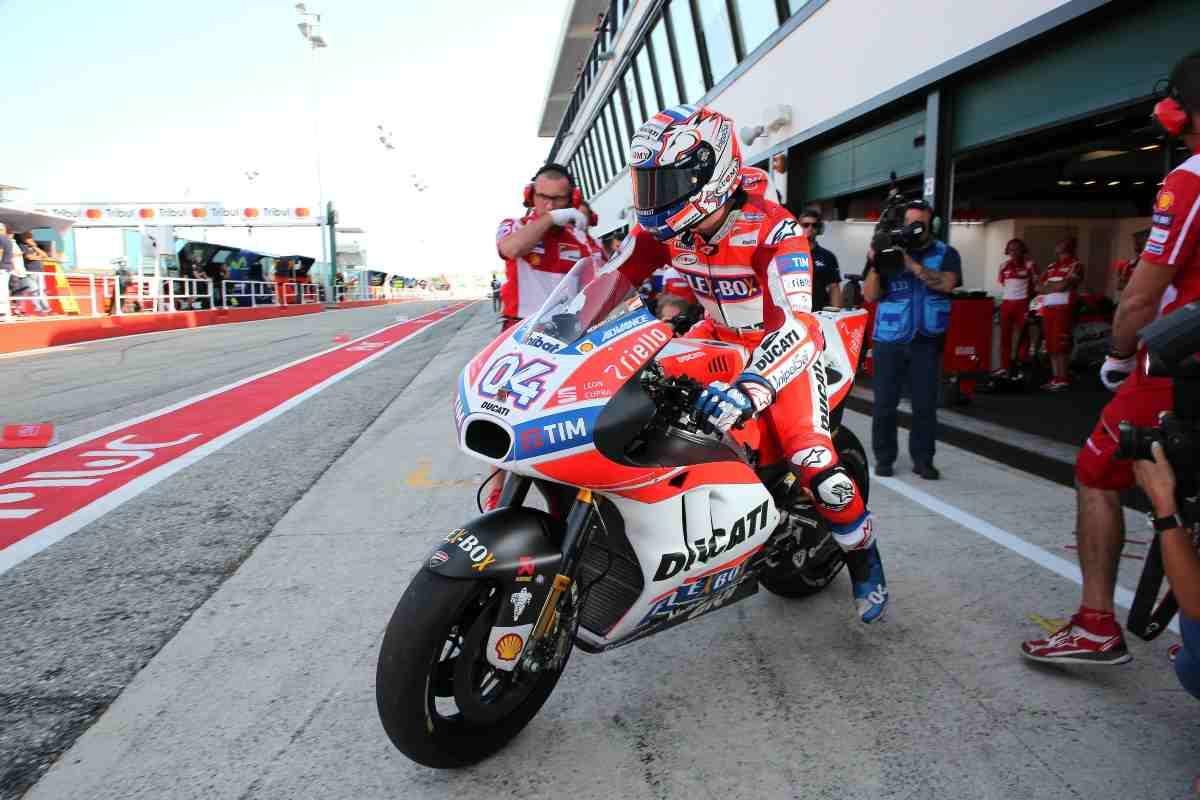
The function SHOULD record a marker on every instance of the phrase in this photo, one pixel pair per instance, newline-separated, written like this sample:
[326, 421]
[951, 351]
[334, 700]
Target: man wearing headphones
[827, 275]
[542, 246]
[1167, 278]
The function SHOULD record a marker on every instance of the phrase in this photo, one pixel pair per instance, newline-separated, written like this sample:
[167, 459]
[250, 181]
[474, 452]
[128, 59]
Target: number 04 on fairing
[651, 522]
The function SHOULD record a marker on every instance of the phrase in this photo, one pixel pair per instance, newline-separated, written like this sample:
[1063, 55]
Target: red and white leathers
[1015, 282]
[1174, 242]
[754, 279]
[532, 277]
[1058, 307]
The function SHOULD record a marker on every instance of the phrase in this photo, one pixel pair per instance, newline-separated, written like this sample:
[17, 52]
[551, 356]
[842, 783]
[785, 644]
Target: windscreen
[587, 298]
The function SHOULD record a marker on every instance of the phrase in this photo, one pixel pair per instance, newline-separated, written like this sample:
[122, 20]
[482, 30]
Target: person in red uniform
[748, 262]
[1017, 276]
[542, 246]
[1167, 278]
[589, 215]
[1057, 288]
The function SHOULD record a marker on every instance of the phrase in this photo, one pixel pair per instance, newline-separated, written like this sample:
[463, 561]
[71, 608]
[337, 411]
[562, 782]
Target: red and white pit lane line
[48, 495]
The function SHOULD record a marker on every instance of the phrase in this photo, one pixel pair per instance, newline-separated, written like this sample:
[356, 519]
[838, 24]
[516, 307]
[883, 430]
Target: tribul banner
[113, 215]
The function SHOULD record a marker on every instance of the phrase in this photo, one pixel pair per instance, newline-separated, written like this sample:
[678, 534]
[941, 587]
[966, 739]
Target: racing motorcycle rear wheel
[817, 558]
[441, 702]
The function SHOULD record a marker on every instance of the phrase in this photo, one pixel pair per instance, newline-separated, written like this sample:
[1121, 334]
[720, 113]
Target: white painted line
[55, 532]
[1056, 564]
[36, 454]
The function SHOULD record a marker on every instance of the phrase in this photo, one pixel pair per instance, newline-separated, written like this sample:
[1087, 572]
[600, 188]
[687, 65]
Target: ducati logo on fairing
[708, 549]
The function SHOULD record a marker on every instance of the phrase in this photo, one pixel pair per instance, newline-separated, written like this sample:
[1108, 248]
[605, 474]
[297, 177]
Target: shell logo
[509, 647]
[302, 212]
[1165, 200]
[586, 347]
[250, 213]
[146, 213]
[93, 213]
[199, 213]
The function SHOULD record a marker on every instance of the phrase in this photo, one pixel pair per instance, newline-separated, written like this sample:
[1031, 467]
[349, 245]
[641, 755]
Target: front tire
[441, 702]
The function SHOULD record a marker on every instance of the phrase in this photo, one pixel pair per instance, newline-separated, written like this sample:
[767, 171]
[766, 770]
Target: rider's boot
[868, 583]
[837, 499]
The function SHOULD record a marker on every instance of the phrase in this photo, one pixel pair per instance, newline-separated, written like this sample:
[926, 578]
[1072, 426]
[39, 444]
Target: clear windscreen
[587, 298]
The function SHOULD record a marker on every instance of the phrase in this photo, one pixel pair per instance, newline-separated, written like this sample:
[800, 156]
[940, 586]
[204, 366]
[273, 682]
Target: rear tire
[433, 651]
[820, 558]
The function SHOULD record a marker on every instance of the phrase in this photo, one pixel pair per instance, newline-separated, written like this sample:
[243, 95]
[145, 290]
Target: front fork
[544, 645]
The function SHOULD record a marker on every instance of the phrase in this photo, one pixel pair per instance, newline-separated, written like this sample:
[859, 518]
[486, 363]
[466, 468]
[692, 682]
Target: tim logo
[793, 262]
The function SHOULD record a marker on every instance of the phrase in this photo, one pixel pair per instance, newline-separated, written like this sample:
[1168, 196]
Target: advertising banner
[123, 215]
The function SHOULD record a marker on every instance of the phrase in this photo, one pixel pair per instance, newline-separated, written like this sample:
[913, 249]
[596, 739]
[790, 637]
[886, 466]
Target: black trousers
[919, 361]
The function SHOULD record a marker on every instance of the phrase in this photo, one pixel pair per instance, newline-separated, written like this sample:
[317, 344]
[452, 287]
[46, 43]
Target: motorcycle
[651, 521]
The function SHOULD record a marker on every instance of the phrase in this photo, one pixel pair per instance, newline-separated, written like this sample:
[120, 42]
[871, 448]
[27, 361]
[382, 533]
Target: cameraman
[913, 314]
[1180, 561]
[1167, 278]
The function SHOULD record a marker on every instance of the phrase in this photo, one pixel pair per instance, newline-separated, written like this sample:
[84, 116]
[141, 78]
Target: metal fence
[79, 294]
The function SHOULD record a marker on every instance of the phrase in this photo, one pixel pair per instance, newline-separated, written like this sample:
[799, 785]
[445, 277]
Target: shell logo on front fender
[509, 647]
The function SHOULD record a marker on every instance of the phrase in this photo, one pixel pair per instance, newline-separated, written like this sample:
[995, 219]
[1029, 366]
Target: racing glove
[569, 216]
[723, 407]
[1115, 370]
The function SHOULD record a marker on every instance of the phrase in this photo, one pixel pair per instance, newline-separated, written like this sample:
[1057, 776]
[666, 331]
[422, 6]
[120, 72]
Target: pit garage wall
[820, 71]
[981, 245]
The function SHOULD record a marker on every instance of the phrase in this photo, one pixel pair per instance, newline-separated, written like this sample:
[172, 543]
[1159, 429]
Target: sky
[141, 101]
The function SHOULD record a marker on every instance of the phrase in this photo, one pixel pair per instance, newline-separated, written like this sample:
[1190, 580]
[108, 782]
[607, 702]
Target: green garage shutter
[1105, 65]
[865, 160]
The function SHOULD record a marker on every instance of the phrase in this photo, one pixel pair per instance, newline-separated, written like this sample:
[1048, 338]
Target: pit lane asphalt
[267, 691]
[80, 619]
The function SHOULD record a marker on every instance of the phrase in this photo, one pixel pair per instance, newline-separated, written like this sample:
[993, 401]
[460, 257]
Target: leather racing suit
[754, 279]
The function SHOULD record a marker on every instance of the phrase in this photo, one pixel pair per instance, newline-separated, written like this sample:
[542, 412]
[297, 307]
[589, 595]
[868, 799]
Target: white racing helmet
[685, 163]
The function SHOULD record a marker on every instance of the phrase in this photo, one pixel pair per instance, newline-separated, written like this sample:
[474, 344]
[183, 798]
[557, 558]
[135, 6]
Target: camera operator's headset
[576, 194]
[935, 222]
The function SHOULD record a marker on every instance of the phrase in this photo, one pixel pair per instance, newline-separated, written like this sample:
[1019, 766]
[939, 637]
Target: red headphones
[1172, 116]
[1171, 113]
[576, 194]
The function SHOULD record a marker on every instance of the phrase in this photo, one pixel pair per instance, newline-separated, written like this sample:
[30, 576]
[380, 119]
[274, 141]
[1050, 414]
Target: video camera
[1173, 347]
[892, 236]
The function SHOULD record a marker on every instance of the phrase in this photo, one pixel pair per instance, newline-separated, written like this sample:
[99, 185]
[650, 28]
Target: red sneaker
[1075, 644]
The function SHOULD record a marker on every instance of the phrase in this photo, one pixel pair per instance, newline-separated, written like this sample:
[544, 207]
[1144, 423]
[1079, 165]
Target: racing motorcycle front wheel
[441, 702]
[816, 560]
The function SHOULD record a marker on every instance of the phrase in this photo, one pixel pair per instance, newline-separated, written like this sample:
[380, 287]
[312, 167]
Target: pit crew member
[541, 247]
[1167, 278]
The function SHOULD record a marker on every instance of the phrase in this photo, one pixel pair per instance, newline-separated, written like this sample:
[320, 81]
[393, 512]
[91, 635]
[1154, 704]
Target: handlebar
[675, 398]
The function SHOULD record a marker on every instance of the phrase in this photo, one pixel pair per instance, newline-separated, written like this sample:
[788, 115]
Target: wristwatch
[1168, 523]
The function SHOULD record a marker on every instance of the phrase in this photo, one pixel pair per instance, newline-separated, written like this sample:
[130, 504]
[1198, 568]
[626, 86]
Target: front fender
[504, 544]
[518, 548]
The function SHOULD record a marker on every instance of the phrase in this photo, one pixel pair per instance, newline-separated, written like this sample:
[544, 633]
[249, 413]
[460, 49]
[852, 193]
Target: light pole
[310, 28]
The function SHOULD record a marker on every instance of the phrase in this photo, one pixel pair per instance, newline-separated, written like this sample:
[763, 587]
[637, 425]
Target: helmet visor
[660, 187]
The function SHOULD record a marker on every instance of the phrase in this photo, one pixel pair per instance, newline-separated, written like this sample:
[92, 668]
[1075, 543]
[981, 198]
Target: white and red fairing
[547, 394]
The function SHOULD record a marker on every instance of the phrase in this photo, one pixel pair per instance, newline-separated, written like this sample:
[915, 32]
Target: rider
[750, 266]
[543, 246]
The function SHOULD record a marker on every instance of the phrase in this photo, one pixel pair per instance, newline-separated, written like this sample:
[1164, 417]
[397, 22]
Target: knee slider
[833, 488]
